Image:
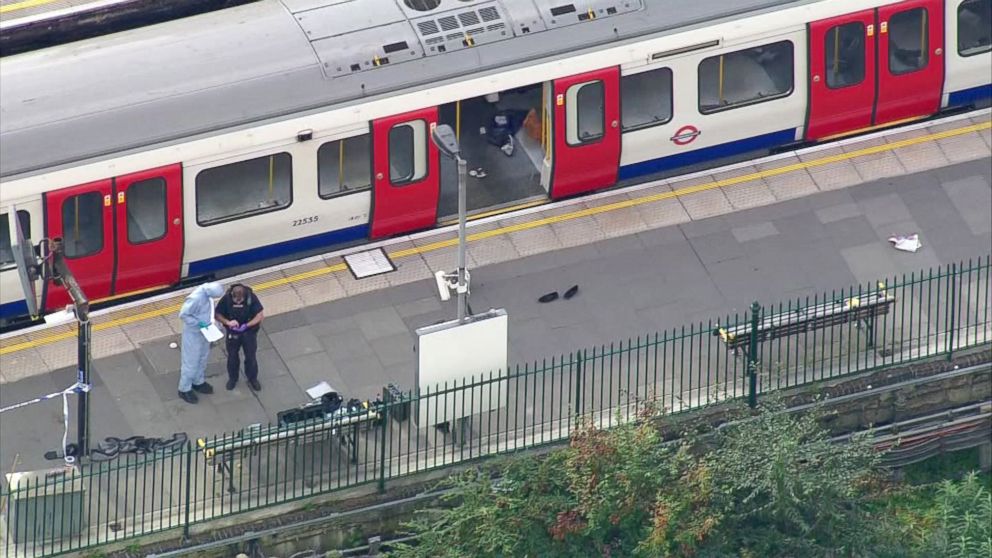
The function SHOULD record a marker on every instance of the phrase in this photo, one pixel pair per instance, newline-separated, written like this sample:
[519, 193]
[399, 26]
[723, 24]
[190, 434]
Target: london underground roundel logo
[685, 135]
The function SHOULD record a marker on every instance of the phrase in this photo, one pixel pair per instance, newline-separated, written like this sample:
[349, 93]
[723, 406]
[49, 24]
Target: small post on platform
[446, 141]
[83, 332]
[752, 356]
[63, 277]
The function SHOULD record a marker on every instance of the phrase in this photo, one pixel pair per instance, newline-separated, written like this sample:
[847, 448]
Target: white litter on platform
[367, 264]
[909, 243]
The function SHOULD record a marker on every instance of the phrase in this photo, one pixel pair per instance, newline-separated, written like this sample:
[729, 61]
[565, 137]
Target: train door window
[646, 98]
[6, 251]
[845, 55]
[343, 166]
[146, 211]
[585, 121]
[407, 152]
[244, 188]
[908, 38]
[974, 27]
[745, 77]
[82, 224]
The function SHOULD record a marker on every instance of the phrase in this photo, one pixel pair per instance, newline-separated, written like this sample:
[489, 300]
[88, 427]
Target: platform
[645, 258]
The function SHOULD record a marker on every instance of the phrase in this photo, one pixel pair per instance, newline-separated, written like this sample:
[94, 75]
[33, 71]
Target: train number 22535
[305, 221]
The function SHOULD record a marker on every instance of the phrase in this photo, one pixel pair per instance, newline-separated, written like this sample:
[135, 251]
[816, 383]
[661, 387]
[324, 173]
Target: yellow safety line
[500, 211]
[586, 212]
[871, 128]
[23, 5]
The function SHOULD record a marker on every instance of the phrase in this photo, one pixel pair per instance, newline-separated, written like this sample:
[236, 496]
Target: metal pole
[752, 357]
[952, 277]
[462, 287]
[384, 419]
[83, 331]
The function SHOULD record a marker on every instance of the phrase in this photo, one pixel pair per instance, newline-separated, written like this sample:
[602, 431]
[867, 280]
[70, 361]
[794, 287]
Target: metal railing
[928, 314]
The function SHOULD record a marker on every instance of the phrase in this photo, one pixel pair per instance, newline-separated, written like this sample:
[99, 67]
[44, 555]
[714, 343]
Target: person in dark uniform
[241, 312]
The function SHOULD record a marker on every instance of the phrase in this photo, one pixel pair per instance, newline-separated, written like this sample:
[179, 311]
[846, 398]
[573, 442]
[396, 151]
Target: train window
[845, 53]
[908, 38]
[244, 188]
[974, 27]
[745, 77]
[407, 152]
[6, 251]
[584, 121]
[343, 166]
[82, 224]
[146, 212]
[646, 98]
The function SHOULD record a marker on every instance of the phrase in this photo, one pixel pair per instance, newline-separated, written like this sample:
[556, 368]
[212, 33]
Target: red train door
[586, 132]
[121, 235]
[910, 59]
[83, 217]
[406, 184]
[842, 74]
[875, 67]
[149, 229]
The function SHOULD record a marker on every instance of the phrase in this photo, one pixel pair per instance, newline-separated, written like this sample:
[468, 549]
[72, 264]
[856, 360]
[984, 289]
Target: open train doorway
[503, 137]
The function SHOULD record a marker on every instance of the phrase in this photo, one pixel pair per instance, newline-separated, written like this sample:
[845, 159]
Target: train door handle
[685, 136]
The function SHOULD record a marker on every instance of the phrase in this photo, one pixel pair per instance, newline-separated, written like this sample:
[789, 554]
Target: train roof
[272, 58]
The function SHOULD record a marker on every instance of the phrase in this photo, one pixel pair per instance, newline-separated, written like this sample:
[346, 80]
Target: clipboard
[212, 332]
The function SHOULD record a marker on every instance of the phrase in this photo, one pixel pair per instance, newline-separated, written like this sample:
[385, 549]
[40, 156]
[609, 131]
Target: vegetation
[771, 486]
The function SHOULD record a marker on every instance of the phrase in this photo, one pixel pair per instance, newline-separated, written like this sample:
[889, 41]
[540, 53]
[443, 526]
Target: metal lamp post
[446, 141]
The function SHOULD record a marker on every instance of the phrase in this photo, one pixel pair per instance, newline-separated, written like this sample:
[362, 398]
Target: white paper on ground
[212, 332]
[317, 391]
[910, 243]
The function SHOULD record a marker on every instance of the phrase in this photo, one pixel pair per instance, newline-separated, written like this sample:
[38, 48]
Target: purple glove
[241, 328]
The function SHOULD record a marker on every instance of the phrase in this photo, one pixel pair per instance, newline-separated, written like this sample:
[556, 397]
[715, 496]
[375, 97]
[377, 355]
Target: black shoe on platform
[204, 388]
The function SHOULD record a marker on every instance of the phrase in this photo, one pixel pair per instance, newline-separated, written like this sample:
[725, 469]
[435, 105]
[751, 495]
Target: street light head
[445, 140]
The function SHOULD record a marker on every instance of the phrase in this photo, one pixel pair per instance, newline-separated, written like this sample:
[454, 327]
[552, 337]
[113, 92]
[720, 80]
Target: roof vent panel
[347, 17]
[562, 13]
[479, 24]
[368, 49]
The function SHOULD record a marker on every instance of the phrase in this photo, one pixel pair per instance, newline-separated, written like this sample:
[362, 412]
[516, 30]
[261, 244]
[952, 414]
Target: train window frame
[835, 31]
[573, 113]
[671, 99]
[925, 47]
[197, 185]
[165, 209]
[25, 217]
[68, 246]
[418, 130]
[341, 149]
[982, 49]
[753, 101]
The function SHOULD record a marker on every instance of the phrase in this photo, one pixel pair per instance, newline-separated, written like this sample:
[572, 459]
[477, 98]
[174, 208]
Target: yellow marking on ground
[585, 212]
[872, 128]
[25, 4]
[499, 211]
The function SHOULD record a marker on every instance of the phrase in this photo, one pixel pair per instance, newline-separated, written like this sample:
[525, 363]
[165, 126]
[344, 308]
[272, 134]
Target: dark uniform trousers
[247, 340]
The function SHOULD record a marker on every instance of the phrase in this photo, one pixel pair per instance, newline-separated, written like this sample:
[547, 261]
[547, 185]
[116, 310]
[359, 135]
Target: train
[226, 141]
